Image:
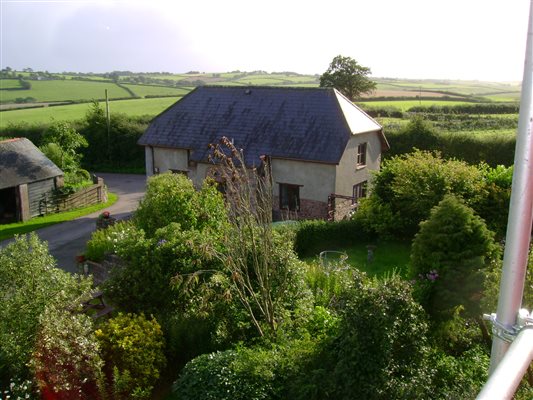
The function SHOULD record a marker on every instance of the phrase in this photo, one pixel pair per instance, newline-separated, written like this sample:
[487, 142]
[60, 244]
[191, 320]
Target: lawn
[388, 257]
[9, 230]
[9, 84]
[64, 90]
[74, 112]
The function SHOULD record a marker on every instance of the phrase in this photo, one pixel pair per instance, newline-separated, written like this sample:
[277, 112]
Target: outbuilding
[27, 180]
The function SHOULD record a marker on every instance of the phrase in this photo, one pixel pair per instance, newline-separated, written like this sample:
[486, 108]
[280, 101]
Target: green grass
[404, 105]
[388, 257]
[73, 112]
[64, 90]
[9, 230]
[9, 84]
[149, 90]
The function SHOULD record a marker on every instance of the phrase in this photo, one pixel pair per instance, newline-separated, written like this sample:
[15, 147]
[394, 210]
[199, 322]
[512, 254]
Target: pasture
[74, 112]
[65, 90]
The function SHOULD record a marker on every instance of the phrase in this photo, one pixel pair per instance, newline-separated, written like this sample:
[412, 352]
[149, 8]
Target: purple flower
[161, 242]
[432, 275]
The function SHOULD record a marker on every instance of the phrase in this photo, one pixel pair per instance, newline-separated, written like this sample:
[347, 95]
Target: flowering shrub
[108, 241]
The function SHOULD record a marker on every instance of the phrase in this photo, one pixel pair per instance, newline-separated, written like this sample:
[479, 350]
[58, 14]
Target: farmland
[29, 90]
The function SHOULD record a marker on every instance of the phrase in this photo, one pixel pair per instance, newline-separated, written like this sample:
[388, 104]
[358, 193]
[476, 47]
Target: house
[27, 178]
[321, 146]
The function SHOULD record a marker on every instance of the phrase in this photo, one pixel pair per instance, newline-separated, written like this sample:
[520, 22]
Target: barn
[27, 179]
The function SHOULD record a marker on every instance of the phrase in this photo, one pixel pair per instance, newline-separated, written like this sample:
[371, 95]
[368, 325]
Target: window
[359, 191]
[289, 197]
[361, 155]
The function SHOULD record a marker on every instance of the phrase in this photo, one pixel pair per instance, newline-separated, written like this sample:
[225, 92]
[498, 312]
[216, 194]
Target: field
[77, 111]
[59, 90]
[65, 87]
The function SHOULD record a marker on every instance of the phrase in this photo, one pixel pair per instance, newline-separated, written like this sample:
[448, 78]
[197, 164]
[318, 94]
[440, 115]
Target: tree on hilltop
[347, 76]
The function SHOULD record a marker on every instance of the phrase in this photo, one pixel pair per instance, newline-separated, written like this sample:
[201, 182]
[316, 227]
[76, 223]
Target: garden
[212, 301]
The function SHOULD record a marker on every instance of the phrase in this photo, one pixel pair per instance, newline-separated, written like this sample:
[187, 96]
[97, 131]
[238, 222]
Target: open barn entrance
[8, 205]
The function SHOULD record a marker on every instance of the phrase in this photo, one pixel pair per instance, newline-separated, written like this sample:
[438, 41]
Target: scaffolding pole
[520, 217]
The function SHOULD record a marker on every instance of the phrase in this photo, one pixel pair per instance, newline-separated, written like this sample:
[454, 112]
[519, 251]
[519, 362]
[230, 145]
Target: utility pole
[108, 126]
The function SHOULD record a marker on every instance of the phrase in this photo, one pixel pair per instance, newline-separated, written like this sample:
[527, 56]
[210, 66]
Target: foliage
[242, 374]
[29, 282]
[117, 146]
[378, 351]
[173, 198]
[66, 360]
[264, 273]
[409, 186]
[449, 256]
[472, 108]
[132, 348]
[347, 76]
[109, 240]
[459, 377]
[314, 236]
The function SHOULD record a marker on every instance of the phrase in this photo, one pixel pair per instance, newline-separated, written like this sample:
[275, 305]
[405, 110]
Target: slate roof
[22, 162]
[312, 124]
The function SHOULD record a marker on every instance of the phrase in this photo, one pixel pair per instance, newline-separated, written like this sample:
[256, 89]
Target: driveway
[68, 239]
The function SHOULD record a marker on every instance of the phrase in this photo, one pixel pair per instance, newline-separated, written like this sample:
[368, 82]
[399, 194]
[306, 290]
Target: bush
[110, 240]
[449, 256]
[379, 350]
[132, 348]
[233, 375]
[314, 236]
[66, 360]
[409, 186]
[29, 283]
[173, 198]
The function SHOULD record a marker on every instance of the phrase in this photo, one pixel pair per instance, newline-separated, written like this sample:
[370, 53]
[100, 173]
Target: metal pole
[108, 120]
[506, 377]
[520, 212]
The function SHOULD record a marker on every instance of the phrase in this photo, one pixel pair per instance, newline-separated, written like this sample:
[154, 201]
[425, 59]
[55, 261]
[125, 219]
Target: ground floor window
[359, 191]
[289, 197]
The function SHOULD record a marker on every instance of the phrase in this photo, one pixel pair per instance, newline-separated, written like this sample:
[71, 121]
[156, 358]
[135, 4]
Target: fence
[88, 196]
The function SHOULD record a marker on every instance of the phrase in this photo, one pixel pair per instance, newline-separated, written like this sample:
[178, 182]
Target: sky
[417, 39]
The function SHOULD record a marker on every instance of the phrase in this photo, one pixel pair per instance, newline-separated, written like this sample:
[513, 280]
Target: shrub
[110, 240]
[379, 350]
[173, 198]
[409, 186]
[315, 236]
[449, 256]
[66, 360]
[29, 282]
[132, 348]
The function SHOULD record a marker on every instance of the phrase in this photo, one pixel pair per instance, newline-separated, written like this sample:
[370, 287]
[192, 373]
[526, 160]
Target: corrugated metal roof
[22, 162]
[312, 124]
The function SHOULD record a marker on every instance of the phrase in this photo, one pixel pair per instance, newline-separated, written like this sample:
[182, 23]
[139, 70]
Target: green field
[73, 112]
[151, 90]
[404, 105]
[9, 84]
[62, 90]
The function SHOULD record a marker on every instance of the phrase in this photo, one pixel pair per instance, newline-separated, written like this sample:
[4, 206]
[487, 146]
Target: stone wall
[309, 209]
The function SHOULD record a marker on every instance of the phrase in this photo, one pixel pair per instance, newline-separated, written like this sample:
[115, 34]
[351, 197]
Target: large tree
[347, 76]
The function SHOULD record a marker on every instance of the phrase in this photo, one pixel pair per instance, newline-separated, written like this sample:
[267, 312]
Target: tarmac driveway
[68, 239]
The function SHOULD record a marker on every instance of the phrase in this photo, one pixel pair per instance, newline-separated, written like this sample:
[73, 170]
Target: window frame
[361, 155]
[359, 190]
[289, 188]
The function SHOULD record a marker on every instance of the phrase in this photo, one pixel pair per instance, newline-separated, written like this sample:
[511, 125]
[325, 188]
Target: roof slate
[295, 123]
[22, 162]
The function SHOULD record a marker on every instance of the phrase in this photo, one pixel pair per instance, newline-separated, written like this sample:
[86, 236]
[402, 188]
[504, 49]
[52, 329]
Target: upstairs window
[289, 197]
[361, 155]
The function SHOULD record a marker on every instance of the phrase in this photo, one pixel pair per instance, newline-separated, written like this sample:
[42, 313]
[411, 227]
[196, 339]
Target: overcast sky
[448, 39]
